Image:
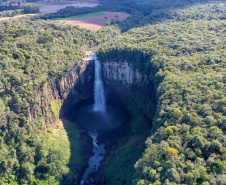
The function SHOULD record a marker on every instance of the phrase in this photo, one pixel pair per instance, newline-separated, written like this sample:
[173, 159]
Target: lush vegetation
[150, 6]
[32, 52]
[182, 46]
[11, 13]
[119, 166]
[9, 5]
[31, 8]
[27, 9]
[185, 52]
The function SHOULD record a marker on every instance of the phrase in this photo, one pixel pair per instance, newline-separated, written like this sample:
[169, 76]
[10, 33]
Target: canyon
[64, 96]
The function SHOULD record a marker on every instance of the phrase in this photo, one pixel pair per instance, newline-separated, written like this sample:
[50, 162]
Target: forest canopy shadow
[82, 90]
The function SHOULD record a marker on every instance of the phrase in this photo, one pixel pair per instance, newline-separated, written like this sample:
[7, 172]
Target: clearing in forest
[94, 21]
[17, 16]
[51, 7]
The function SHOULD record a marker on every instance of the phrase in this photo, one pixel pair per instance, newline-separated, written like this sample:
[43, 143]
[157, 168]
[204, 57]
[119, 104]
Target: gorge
[111, 121]
[104, 123]
[147, 109]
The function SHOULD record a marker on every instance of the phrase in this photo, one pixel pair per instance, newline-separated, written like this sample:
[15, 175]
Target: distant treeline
[9, 6]
[31, 8]
[11, 13]
[149, 6]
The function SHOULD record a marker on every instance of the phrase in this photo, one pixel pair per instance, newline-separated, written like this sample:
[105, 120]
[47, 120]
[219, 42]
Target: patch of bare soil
[17, 16]
[4, 18]
[97, 22]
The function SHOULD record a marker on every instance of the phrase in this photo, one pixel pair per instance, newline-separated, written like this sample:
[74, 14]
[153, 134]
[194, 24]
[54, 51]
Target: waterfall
[99, 96]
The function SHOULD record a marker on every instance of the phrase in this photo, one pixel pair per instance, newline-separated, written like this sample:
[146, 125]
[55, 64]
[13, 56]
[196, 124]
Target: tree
[2, 114]
[172, 151]
[173, 175]
[177, 113]
[32, 8]
[189, 178]
[116, 17]
[218, 166]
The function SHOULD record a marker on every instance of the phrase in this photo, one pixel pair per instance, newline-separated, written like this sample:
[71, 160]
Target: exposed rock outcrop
[62, 92]
[128, 82]
[125, 74]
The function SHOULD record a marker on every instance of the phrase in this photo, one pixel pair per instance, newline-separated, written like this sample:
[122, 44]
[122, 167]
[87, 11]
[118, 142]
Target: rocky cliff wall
[59, 94]
[129, 83]
[124, 74]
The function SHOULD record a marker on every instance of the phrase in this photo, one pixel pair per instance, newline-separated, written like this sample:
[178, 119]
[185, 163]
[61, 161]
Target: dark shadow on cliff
[80, 148]
[135, 97]
[82, 90]
[118, 167]
[80, 142]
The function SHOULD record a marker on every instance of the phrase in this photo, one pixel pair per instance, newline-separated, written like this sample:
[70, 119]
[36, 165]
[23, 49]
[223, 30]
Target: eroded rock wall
[129, 83]
[124, 74]
[61, 93]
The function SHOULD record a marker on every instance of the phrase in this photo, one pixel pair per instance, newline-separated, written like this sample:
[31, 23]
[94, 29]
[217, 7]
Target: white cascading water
[99, 96]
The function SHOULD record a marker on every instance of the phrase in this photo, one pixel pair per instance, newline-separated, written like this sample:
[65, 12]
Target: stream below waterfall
[102, 122]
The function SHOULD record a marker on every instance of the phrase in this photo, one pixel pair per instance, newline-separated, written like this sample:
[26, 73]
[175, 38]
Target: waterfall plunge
[99, 96]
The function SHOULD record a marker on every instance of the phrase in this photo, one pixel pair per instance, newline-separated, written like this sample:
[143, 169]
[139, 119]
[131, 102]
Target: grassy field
[75, 162]
[79, 16]
[65, 135]
[83, 16]
[94, 21]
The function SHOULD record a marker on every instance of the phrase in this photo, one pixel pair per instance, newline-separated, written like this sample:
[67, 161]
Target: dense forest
[181, 43]
[32, 52]
[18, 10]
[185, 50]
[28, 51]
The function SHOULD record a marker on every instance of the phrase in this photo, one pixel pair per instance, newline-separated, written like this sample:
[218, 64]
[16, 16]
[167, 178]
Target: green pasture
[83, 16]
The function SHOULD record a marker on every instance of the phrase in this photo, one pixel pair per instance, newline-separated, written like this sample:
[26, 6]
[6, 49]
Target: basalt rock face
[62, 92]
[129, 83]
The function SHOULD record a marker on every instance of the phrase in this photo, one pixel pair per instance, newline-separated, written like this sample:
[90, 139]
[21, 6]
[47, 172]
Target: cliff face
[61, 93]
[124, 74]
[128, 82]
